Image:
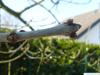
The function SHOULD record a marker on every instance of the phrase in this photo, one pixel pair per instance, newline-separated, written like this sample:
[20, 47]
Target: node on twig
[12, 37]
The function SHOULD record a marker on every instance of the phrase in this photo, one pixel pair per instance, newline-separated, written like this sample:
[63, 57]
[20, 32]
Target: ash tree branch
[60, 29]
[17, 15]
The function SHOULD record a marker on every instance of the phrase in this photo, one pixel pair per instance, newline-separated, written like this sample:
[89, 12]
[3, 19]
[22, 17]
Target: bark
[61, 29]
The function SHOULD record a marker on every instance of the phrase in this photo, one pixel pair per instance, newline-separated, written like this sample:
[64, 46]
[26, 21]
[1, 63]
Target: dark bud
[69, 22]
[73, 35]
[13, 37]
[22, 31]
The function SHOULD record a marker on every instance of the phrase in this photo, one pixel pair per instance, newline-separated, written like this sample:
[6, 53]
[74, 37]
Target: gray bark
[61, 29]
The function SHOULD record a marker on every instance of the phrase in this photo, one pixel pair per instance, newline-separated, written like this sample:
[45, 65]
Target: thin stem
[31, 6]
[48, 11]
[15, 58]
[17, 15]
[9, 68]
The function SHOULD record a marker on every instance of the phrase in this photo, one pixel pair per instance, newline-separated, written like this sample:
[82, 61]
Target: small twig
[17, 15]
[31, 6]
[31, 57]
[48, 11]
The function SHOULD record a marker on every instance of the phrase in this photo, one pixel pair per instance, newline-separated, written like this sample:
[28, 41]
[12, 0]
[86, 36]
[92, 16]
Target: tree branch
[48, 11]
[61, 29]
[17, 15]
[31, 6]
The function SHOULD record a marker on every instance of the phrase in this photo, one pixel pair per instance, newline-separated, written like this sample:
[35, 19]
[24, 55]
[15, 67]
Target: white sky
[62, 11]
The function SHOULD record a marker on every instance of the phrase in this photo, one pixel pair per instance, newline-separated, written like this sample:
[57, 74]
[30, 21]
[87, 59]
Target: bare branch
[31, 6]
[8, 9]
[25, 23]
[48, 11]
[55, 2]
[17, 15]
[61, 29]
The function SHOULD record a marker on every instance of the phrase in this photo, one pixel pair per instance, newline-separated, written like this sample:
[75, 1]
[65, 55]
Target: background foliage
[53, 56]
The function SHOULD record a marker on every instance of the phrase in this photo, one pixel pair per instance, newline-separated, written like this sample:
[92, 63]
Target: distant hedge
[53, 56]
[5, 30]
[58, 57]
[68, 57]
